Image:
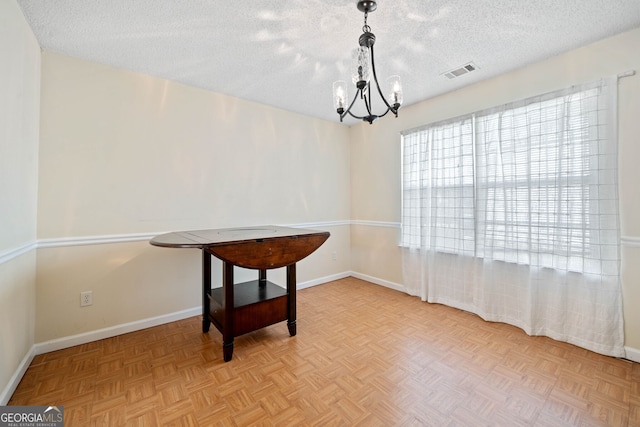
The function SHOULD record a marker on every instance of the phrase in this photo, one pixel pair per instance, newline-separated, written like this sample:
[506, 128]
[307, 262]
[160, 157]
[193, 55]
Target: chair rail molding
[632, 241]
[9, 254]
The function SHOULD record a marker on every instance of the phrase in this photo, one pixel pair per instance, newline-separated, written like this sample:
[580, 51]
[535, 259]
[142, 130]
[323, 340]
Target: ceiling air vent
[457, 72]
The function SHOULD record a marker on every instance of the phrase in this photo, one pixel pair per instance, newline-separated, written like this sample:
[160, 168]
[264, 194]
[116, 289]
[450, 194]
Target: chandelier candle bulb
[340, 94]
[395, 90]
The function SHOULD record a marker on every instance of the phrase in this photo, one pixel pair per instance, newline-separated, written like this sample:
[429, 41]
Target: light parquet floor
[364, 355]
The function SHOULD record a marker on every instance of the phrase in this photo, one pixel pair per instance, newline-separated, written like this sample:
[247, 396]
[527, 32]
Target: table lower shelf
[255, 306]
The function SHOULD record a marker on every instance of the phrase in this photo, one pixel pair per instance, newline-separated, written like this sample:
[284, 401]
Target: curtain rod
[627, 74]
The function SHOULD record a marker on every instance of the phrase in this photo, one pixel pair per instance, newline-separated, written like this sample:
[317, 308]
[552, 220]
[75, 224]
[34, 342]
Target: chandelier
[365, 68]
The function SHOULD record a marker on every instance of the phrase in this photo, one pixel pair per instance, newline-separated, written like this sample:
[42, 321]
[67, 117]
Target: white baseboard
[322, 280]
[632, 354]
[12, 385]
[377, 281]
[112, 331]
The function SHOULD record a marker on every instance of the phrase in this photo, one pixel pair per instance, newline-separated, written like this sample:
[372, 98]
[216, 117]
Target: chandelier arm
[356, 117]
[385, 113]
[348, 110]
[366, 102]
[375, 78]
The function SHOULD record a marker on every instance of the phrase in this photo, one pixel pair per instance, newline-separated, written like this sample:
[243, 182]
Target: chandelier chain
[365, 27]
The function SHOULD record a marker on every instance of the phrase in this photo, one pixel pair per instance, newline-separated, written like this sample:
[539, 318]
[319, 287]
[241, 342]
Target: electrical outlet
[86, 298]
[334, 256]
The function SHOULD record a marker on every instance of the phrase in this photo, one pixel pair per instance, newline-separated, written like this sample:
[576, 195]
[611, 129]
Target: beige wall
[375, 154]
[19, 111]
[123, 153]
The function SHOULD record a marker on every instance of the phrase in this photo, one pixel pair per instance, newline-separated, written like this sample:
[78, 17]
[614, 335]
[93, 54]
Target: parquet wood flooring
[364, 355]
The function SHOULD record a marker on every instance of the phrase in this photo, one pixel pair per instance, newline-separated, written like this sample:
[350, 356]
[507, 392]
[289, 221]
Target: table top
[261, 247]
[226, 236]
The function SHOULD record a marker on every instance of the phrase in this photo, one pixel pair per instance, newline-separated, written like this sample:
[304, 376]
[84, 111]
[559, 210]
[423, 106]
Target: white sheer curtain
[512, 214]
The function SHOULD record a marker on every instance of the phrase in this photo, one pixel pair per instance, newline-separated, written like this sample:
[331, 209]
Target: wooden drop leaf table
[239, 308]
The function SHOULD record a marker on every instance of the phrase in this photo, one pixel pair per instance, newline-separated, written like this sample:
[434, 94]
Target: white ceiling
[287, 53]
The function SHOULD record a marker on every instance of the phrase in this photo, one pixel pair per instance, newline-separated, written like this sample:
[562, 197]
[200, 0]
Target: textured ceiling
[287, 53]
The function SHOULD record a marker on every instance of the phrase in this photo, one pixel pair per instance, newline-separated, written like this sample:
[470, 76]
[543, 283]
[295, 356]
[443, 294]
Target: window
[533, 182]
[438, 166]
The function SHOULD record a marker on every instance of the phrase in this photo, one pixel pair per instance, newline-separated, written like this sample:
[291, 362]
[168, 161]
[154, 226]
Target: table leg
[262, 278]
[206, 290]
[291, 301]
[228, 307]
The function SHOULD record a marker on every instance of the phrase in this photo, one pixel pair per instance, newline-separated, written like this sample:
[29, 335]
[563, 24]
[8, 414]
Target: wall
[125, 156]
[19, 115]
[375, 154]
